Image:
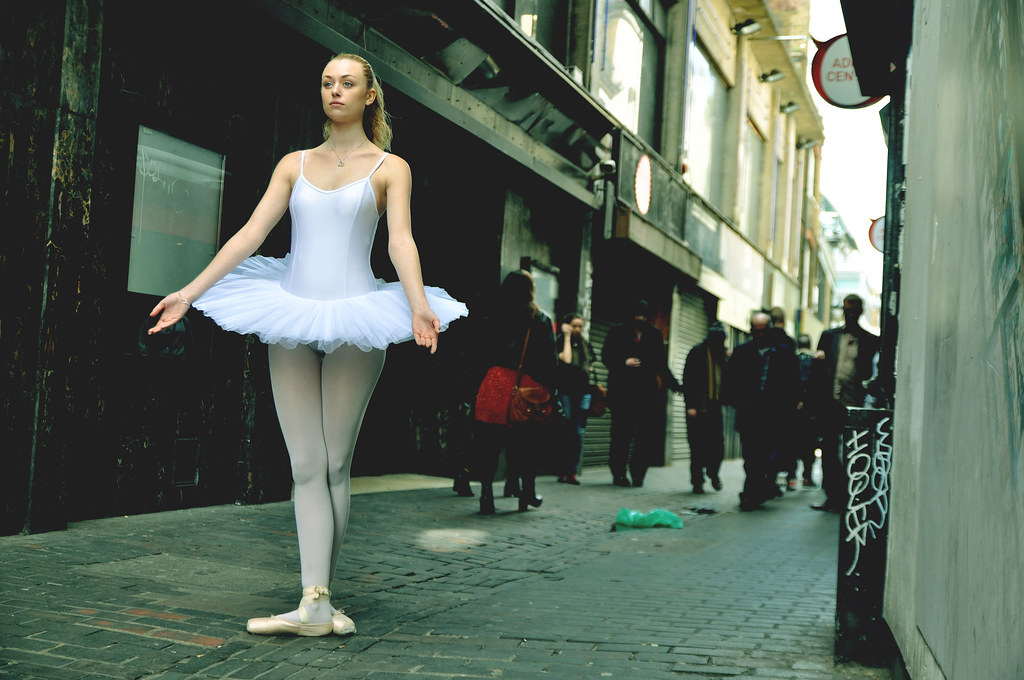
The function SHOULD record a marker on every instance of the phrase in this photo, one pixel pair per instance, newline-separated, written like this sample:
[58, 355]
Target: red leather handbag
[511, 397]
[531, 402]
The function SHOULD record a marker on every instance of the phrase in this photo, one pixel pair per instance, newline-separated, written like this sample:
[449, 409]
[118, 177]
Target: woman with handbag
[515, 400]
[575, 377]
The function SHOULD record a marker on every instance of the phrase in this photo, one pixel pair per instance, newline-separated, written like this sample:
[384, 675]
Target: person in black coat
[634, 353]
[847, 355]
[703, 389]
[763, 385]
[814, 394]
[501, 344]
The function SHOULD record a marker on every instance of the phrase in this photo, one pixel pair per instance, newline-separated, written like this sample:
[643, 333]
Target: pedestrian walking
[703, 386]
[634, 353]
[763, 386]
[518, 341]
[325, 318]
[779, 334]
[575, 378]
[847, 354]
[805, 436]
[784, 457]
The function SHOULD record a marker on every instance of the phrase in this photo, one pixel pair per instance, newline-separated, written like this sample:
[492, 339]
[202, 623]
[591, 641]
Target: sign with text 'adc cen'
[834, 76]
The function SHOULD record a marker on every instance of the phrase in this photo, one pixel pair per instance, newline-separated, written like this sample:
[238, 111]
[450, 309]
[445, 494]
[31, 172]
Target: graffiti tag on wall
[868, 456]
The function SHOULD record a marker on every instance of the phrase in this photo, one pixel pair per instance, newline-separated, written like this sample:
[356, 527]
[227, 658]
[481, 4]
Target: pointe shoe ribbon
[311, 594]
[278, 625]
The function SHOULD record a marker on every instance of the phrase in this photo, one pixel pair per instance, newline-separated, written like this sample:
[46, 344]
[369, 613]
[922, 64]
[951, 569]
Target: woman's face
[344, 91]
[577, 326]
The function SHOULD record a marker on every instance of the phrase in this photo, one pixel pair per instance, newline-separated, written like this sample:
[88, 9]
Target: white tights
[321, 400]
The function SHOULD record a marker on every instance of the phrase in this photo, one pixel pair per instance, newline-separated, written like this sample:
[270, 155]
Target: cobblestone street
[438, 591]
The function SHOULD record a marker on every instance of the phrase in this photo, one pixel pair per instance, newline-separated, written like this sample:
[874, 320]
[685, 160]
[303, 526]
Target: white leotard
[323, 293]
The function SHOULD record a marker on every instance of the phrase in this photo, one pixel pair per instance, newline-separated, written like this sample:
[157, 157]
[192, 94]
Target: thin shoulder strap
[386, 154]
[302, 160]
[522, 357]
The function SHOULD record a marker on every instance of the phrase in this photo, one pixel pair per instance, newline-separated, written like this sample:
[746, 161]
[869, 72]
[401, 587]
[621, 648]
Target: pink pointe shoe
[279, 625]
[343, 625]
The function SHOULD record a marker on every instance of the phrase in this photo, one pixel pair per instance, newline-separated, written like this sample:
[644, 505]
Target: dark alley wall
[955, 589]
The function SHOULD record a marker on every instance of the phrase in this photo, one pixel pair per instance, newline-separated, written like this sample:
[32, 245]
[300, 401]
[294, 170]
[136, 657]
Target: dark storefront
[100, 423]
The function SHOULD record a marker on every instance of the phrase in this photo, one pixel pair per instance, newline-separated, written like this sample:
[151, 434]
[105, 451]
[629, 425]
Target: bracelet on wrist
[183, 300]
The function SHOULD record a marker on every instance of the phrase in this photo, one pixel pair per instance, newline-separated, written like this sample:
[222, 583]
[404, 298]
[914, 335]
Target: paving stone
[438, 591]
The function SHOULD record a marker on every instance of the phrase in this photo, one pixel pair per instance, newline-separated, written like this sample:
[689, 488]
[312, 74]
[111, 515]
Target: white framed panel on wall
[175, 214]
[734, 306]
[743, 265]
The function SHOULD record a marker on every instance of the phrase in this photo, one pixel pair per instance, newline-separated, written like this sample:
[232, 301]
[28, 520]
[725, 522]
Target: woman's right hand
[170, 310]
[566, 330]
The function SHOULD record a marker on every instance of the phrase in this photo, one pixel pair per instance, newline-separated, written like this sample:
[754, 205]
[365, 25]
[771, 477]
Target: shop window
[176, 212]
[752, 183]
[816, 288]
[546, 21]
[545, 285]
[628, 49]
[706, 126]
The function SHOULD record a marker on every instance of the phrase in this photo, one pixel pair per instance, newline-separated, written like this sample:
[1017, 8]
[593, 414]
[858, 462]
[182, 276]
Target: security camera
[603, 169]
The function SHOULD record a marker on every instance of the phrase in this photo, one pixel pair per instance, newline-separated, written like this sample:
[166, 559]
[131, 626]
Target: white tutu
[250, 300]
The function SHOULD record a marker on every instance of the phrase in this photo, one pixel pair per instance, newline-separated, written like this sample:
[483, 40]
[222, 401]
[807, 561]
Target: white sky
[853, 165]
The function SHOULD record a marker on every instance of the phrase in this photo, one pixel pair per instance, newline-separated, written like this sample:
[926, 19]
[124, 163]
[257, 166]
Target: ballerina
[324, 316]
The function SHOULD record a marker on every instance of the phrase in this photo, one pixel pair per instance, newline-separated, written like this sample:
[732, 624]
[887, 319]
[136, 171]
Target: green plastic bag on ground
[643, 520]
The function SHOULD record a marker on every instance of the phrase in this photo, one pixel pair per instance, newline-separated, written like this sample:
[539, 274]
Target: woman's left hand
[425, 329]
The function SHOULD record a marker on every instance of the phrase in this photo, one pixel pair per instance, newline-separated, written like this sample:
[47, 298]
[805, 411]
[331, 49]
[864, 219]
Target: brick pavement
[438, 591]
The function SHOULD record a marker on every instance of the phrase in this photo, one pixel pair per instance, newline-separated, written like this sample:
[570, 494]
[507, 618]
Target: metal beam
[428, 87]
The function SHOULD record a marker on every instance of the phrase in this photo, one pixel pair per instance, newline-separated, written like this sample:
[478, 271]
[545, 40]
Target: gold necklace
[341, 161]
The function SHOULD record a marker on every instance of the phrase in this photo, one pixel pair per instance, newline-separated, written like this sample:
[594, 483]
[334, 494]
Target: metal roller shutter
[689, 327]
[598, 435]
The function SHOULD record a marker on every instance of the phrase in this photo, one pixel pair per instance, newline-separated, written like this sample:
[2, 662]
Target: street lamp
[746, 27]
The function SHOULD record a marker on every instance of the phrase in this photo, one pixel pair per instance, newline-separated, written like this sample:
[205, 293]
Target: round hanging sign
[834, 76]
[876, 234]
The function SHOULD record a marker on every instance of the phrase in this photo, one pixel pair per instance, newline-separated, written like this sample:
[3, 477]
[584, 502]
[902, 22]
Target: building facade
[616, 148]
[954, 587]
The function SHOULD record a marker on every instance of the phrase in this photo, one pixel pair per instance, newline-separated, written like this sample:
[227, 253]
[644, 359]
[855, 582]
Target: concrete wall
[955, 583]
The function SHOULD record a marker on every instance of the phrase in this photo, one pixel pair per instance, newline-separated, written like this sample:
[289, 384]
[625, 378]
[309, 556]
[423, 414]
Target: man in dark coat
[763, 385]
[703, 383]
[778, 315]
[813, 394]
[634, 353]
[847, 354]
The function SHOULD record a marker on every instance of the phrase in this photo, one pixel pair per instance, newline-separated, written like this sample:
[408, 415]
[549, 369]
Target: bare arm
[404, 254]
[240, 246]
[565, 354]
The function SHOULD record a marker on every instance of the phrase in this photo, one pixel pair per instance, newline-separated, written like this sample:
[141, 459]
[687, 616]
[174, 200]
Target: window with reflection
[626, 75]
[752, 183]
[706, 121]
[546, 21]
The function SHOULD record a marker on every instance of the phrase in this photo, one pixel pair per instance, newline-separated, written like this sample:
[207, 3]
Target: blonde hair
[376, 121]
